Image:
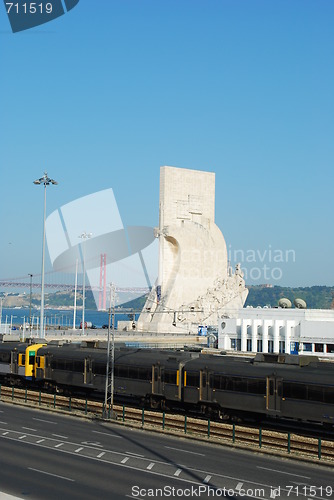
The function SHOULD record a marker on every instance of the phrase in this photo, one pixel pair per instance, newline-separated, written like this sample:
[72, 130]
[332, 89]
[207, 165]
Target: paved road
[50, 456]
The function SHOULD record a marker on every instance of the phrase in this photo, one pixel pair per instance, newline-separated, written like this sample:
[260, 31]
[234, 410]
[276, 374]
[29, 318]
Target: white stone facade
[194, 281]
[308, 331]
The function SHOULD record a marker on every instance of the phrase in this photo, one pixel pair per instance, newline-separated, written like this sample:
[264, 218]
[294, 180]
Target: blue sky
[104, 95]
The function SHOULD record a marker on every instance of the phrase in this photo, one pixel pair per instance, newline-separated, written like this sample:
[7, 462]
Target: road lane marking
[301, 484]
[92, 443]
[60, 436]
[40, 441]
[79, 449]
[5, 423]
[150, 466]
[22, 437]
[5, 433]
[125, 460]
[185, 451]
[29, 429]
[107, 434]
[282, 472]
[177, 473]
[45, 421]
[59, 445]
[135, 454]
[207, 479]
[239, 486]
[184, 468]
[49, 474]
[101, 454]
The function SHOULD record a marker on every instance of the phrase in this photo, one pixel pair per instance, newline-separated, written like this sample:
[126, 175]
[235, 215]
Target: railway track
[283, 442]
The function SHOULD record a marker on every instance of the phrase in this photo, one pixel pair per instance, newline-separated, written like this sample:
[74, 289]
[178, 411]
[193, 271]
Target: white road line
[45, 421]
[150, 466]
[6, 496]
[29, 429]
[101, 454]
[239, 486]
[59, 436]
[5, 433]
[79, 449]
[178, 472]
[6, 423]
[107, 434]
[207, 479]
[22, 437]
[185, 451]
[301, 484]
[135, 454]
[282, 472]
[49, 474]
[124, 460]
[40, 441]
[59, 445]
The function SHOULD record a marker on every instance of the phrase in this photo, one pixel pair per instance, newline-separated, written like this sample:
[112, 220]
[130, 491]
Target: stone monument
[195, 285]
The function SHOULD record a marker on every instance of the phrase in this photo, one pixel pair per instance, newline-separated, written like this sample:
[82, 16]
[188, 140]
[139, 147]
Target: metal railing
[284, 443]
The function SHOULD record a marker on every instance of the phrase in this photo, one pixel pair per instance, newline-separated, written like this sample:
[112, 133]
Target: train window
[192, 379]
[271, 387]
[330, 348]
[216, 382]
[279, 388]
[294, 390]
[315, 393]
[227, 383]
[144, 373]
[169, 377]
[31, 360]
[238, 384]
[122, 371]
[100, 369]
[61, 364]
[38, 361]
[256, 386]
[78, 366]
[328, 395]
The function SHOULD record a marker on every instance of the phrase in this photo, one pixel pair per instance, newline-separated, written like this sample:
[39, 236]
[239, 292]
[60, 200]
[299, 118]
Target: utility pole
[109, 388]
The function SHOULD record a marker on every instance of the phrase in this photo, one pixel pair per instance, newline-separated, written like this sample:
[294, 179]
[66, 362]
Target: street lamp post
[84, 236]
[75, 294]
[30, 298]
[46, 181]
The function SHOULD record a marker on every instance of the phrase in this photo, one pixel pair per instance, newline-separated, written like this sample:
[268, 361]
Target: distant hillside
[316, 297]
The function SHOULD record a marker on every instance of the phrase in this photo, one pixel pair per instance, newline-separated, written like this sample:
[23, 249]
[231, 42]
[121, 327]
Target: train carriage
[279, 386]
[144, 375]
